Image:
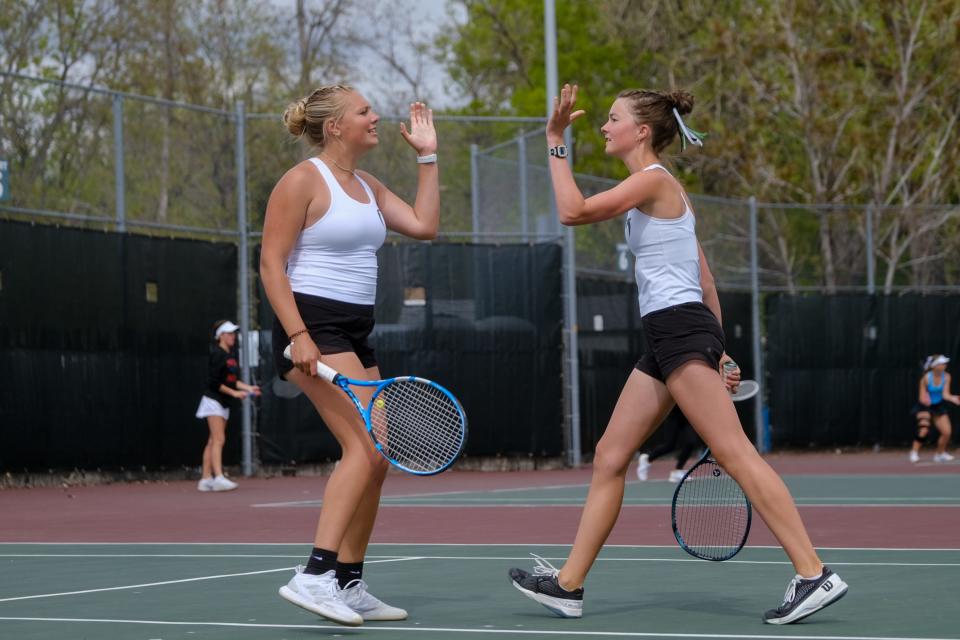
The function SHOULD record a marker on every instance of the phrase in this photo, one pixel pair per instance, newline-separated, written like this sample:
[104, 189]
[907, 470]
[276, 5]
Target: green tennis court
[456, 591]
[871, 529]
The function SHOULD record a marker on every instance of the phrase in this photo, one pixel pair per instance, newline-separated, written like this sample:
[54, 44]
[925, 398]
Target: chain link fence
[800, 248]
[90, 157]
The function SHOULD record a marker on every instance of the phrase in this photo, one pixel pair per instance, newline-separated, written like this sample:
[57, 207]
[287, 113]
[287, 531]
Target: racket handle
[327, 373]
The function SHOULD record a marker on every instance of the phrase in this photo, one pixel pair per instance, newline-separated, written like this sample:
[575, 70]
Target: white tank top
[336, 257]
[667, 263]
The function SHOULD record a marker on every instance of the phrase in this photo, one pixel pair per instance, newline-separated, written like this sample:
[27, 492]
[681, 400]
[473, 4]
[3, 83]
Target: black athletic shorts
[678, 334]
[937, 409]
[335, 326]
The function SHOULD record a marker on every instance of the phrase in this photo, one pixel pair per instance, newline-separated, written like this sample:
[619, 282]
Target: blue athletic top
[936, 392]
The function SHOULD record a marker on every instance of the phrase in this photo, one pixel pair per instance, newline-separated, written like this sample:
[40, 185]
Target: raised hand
[563, 114]
[421, 135]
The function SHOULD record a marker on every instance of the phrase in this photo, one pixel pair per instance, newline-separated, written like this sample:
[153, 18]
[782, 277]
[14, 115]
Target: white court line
[432, 494]
[440, 544]
[429, 557]
[166, 582]
[579, 505]
[666, 499]
[627, 504]
[448, 630]
[160, 555]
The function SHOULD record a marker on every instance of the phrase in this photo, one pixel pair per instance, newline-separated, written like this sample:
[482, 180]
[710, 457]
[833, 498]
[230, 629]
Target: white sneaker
[643, 467]
[915, 456]
[677, 475]
[320, 595]
[942, 457]
[205, 484]
[220, 483]
[356, 596]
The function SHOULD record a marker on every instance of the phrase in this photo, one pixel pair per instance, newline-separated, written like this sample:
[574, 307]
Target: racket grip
[325, 372]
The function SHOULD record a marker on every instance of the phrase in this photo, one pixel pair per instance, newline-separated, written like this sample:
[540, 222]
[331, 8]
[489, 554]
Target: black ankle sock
[321, 561]
[347, 571]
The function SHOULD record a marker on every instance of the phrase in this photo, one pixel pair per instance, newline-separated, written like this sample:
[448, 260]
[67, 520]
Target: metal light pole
[571, 355]
[243, 266]
[760, 437]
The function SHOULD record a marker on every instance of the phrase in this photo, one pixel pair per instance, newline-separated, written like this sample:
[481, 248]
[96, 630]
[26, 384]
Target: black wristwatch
[559, 151]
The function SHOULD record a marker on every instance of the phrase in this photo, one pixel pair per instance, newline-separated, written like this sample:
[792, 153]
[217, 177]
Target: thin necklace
[337, 165]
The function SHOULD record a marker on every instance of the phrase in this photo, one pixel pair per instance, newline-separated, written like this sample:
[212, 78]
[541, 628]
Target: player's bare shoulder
[302, 182]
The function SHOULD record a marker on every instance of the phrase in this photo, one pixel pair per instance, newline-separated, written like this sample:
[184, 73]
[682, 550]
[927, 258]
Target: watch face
[560, 151]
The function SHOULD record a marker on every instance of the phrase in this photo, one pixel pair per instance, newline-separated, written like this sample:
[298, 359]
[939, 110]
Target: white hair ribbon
[687, 134]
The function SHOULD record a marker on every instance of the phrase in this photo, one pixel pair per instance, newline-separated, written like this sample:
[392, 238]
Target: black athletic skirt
[678, 334]
[335, 326]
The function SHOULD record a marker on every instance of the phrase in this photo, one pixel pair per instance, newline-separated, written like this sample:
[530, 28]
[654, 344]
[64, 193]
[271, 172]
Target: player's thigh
[217, 426]
[704, 400]
[942, 422]
[334, 406]
[641, 407]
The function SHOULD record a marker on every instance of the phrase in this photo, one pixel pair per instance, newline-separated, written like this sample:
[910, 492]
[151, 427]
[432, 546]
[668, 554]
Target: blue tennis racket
[416, 424]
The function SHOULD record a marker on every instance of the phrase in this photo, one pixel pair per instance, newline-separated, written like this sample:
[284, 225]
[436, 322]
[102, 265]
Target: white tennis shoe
[914, 456]
[643, 466]
[356, 596]
[320, 594]
[220, 483]
[677, 475]
[943, 457]
[205, 484]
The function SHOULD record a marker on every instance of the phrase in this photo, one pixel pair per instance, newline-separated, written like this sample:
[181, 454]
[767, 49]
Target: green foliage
[842, 102]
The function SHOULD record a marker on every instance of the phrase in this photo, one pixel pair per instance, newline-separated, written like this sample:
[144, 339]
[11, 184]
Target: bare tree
[319, 35]
[919, 163]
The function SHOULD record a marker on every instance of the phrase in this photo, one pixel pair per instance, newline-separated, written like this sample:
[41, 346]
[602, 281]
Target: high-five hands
[563, 114]
[421, 135]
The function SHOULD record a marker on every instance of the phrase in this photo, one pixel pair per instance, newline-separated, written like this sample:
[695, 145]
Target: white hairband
[687, 134]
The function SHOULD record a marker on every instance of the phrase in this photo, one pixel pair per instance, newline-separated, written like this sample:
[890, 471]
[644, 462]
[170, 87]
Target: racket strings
[711, 512]
[417, 425]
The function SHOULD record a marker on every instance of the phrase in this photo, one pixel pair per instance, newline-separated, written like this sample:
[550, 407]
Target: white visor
[939, 360]
[226, 327]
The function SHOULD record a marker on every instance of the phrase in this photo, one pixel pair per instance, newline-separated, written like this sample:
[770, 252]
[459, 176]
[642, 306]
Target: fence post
[119, 179]
[758, 422]
[475, 190]
[871, 275]
[571, 326]
[243, 267]
[522, 179]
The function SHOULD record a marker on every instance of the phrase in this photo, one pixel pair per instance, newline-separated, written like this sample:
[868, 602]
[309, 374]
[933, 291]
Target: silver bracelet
[430, 159]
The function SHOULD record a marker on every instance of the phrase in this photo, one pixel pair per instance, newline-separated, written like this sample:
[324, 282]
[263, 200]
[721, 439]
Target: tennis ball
[379, 404]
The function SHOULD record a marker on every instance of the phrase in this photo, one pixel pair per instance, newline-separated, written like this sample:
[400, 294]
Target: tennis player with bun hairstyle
[325, 221]
[681, 320]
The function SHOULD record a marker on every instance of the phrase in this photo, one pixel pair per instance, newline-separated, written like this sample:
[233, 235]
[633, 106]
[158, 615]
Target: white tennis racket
[745, 390]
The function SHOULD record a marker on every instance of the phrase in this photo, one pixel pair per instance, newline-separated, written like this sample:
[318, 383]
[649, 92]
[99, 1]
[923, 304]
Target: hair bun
[295, 117]
[681, 101]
